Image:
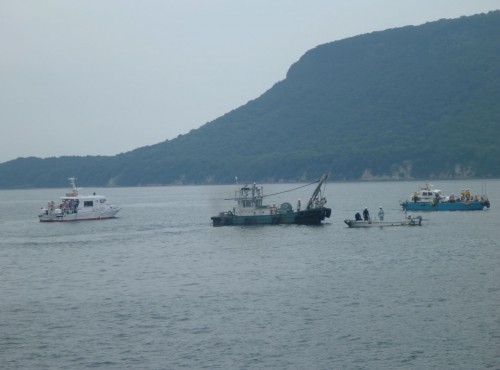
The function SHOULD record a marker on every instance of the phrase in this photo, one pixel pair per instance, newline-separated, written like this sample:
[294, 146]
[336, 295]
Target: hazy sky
[101, 77]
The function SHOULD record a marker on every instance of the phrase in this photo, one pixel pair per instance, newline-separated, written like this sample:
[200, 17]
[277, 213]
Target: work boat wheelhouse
[75, 207]
[250, 209]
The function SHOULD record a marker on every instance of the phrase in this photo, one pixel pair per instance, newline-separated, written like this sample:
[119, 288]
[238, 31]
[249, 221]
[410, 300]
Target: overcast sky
[102, 77]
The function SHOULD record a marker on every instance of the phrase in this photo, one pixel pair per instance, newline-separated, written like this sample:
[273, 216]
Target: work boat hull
[79, 216]
[306, 217]
[445, 206]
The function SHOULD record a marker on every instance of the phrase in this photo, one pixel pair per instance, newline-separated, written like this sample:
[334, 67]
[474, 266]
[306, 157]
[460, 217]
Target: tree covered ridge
[412, 102]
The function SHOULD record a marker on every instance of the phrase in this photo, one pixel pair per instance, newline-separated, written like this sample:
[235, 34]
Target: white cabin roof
[84, 197]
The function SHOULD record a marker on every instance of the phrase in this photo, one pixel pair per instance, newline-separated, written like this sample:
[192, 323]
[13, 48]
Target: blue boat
[250, 209]
[430, 199]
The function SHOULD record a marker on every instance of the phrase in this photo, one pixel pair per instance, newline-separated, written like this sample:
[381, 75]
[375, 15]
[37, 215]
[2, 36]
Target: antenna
[72, 181]
[74, 192]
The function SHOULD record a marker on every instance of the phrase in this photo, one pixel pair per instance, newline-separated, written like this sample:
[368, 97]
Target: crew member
[381, 213]
[366, 214]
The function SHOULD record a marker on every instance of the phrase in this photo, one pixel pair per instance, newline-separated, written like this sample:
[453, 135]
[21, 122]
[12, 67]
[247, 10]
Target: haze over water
[160, 288]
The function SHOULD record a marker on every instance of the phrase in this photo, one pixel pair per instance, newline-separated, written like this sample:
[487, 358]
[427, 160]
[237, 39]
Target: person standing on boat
[298, 205]
[357, 216]
[381, 213]
[366, 214]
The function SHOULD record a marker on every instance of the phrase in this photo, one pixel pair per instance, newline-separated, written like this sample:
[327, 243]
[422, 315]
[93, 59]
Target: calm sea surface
[160, 288]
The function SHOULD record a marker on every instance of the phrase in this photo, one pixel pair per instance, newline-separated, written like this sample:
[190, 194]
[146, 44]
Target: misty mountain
[417, 102]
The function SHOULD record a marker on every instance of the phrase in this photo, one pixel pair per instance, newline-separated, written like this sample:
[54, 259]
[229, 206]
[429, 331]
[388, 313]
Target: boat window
[88, 203]
[103, 200]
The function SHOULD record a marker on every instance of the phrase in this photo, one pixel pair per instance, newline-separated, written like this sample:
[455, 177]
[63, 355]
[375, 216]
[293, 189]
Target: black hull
[307, 217]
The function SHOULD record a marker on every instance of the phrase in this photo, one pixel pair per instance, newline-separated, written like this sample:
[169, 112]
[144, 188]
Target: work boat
[75, 207]
[431, 199]
[251, 211]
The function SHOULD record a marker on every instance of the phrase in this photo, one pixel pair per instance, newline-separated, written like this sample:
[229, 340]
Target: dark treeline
[407, 103]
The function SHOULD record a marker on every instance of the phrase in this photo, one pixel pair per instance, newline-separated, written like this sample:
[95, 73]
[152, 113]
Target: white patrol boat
[75, 207]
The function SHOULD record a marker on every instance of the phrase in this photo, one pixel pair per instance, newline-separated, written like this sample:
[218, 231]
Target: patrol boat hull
[80, 216]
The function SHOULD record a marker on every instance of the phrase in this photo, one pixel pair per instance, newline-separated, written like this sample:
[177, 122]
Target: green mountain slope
[413, 102]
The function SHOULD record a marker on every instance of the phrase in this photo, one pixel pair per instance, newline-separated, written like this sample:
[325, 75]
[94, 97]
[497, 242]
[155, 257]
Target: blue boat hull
[445, 206]
[307, 217]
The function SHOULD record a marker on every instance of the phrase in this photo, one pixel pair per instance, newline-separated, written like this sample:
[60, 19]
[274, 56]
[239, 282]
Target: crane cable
[286, 191]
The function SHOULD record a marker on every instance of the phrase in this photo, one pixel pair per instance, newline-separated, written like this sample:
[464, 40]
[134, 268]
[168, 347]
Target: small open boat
[408, 221]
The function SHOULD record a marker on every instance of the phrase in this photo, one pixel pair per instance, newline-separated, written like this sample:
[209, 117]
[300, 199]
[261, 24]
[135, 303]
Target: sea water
[160, 288]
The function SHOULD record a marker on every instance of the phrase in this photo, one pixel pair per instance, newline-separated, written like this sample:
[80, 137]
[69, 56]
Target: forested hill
[408, 103]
